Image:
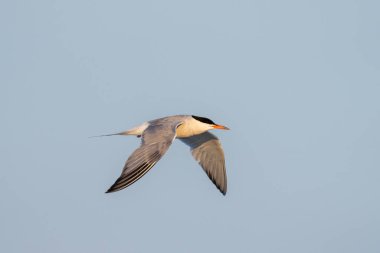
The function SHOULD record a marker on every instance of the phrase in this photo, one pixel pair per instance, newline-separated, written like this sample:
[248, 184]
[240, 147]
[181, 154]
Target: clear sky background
[298, 83]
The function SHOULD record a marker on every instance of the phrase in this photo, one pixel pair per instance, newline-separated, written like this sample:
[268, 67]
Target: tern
[157, 136]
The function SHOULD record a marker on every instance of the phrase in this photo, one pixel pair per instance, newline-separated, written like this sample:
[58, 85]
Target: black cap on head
[204, 120]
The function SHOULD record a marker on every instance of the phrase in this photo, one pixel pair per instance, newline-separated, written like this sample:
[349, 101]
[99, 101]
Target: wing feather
[207, 151]
[155, 141]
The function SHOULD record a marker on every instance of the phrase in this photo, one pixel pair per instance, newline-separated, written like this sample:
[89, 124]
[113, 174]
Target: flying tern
[157, 136]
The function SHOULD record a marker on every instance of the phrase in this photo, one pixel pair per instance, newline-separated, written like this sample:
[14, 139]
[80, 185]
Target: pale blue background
[298, 82]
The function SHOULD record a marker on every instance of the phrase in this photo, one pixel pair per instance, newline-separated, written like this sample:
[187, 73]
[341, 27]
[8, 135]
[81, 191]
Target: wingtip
[110, 190]
[115, 187]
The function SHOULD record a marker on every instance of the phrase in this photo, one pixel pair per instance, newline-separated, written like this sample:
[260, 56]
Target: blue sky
[298, 83]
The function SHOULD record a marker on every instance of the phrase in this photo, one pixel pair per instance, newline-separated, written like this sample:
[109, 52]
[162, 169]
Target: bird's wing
[155, 141]
[207, 151]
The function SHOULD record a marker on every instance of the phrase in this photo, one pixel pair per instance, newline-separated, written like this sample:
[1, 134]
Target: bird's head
[210, 123]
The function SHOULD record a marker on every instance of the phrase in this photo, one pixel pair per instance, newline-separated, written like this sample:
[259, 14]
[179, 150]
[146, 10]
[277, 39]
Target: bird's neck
[191, 127]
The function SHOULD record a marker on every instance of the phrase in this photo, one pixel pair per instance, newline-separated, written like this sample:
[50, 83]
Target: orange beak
[220, 127]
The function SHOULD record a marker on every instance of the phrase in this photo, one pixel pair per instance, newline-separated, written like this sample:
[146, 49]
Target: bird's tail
[121, 133]
[134, 131]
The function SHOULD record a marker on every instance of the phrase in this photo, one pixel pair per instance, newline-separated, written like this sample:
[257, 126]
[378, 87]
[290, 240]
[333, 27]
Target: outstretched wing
[207, 151]
[155, 141]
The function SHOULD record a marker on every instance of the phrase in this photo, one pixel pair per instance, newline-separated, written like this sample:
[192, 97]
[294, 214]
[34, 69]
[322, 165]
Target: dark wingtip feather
[110, 190]
[113, 188]
[223, 191]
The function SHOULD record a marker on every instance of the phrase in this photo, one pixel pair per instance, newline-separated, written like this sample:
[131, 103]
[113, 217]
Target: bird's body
[157, 136]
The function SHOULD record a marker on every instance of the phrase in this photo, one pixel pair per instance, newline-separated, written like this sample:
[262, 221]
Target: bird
[156, 137]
